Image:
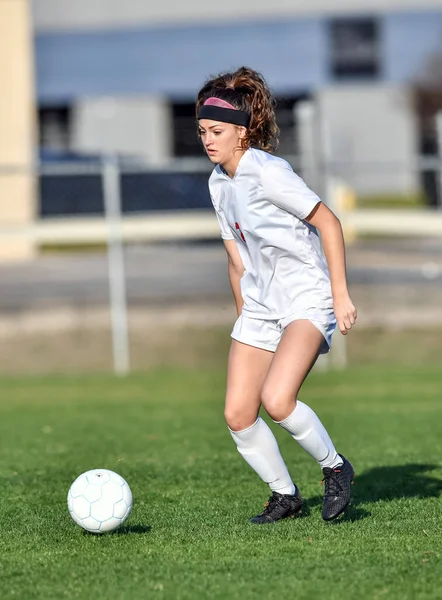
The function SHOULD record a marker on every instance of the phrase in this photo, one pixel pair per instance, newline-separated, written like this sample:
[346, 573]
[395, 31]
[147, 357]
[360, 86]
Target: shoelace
[270, 505]
[332, 485]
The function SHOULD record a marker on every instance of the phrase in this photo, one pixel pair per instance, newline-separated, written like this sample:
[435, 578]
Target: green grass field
[188, 536]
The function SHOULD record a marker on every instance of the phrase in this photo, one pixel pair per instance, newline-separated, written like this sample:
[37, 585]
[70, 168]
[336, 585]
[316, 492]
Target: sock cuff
[245, 434]
[284, 420]
[289, 417]
[299, 421]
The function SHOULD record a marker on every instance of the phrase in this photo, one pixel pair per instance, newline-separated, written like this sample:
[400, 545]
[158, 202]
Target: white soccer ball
[99, 500]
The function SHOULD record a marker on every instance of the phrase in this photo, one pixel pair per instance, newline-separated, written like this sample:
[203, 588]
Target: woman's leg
[294, 358]
[247, 369]
[296, 354]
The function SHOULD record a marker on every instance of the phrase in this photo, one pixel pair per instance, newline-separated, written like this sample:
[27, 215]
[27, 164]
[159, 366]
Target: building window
[185, 140]
[355, 47]
[55, 128]
[288, 127]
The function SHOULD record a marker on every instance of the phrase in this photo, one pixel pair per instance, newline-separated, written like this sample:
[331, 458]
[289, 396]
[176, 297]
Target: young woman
[288, 300]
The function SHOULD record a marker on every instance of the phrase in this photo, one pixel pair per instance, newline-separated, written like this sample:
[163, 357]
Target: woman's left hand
[345, 312]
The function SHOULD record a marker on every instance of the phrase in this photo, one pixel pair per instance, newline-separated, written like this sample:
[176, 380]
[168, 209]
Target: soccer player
[289, 297]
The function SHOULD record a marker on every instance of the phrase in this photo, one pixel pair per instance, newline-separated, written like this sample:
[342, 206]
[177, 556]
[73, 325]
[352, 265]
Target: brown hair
[246, 90]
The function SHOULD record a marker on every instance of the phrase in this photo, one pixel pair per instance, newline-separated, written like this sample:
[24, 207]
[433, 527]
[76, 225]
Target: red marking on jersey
[240, 232]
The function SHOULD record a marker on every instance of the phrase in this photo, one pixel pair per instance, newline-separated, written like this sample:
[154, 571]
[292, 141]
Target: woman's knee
[278, 404]
[237, 419]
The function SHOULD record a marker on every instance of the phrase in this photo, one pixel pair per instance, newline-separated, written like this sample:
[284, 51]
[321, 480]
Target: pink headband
[218, 102]
[216, 109]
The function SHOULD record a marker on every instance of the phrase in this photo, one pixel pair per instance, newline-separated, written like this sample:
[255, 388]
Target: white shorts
[266, 334]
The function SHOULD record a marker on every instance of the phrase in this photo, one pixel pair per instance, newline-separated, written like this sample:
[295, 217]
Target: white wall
[107, 14]
[139, 126]
[372, 130]
[17, 126]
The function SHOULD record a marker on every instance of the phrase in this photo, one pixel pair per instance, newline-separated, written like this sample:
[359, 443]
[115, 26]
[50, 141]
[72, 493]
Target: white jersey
[263, 209]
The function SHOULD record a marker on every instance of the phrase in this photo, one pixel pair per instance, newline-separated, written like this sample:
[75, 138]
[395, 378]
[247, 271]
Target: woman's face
[220, 140]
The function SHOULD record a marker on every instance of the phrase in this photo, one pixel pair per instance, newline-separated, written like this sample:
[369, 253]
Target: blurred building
[122, 76]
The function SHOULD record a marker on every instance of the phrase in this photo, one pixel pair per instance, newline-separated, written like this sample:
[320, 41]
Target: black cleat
[337, 489]
[279, 506]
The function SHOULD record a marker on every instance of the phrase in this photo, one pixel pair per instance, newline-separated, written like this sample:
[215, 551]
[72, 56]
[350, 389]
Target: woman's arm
[334, 249]
[236, 270]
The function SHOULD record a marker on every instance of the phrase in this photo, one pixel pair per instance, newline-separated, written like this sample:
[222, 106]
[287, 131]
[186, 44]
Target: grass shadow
[401, 481]
[126, 529]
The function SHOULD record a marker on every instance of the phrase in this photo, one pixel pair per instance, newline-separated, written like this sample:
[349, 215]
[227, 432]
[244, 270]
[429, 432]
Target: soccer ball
[99, 500]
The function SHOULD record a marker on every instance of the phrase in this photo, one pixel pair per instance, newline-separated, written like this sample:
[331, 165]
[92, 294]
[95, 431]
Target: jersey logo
[240, 232]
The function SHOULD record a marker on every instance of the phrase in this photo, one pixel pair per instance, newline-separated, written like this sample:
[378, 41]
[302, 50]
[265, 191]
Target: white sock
[306, 428]
[258, 446]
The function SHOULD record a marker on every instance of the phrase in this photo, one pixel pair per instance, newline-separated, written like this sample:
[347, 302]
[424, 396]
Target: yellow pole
[17, 124]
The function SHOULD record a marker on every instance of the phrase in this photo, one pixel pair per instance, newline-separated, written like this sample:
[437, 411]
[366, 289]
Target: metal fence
[117, 202]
